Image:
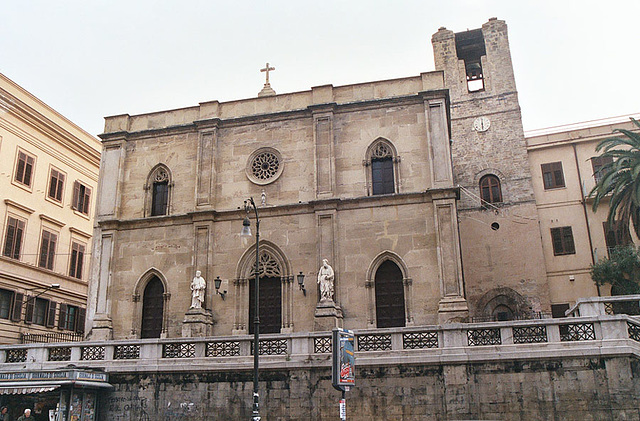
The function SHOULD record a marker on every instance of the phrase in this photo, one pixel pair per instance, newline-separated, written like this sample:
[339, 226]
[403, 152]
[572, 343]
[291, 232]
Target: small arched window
[383, 163]
[502, 313]
[490, 190]
[158, 191]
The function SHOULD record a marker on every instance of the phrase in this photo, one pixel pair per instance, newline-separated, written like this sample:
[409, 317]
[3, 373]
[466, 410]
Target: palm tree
[620, 179]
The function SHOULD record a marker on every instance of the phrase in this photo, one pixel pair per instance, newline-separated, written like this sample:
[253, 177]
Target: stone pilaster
[453, 305]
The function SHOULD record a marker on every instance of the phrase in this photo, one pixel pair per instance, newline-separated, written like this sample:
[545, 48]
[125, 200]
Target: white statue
[198, 286]
[325, 280]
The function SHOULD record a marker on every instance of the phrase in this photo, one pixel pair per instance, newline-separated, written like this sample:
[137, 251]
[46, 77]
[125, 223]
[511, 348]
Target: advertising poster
[344, 359]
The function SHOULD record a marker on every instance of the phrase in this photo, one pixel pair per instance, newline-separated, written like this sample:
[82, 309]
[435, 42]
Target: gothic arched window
[158, 191]
[152, 309]
[389, 293]
[383, 163]
[490, 190]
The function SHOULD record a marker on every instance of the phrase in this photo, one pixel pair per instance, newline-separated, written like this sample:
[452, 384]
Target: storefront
[55, 395]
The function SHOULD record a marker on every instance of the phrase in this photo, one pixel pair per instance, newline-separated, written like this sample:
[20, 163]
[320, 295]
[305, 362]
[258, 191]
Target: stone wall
[493, 236]
[567, 389]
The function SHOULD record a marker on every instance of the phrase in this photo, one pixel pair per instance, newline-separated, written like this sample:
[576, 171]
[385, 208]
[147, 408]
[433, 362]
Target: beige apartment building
[48, 178]
[565, 167]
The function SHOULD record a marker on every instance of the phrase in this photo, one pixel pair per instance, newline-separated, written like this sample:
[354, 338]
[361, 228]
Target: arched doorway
[152, 309]
[389, 292]
[270, 304]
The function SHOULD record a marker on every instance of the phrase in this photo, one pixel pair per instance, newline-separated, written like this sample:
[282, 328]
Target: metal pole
[255, 416]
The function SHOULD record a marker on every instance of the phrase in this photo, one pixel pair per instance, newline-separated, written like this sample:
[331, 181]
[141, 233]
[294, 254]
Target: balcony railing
[458, 342]
[47, 338]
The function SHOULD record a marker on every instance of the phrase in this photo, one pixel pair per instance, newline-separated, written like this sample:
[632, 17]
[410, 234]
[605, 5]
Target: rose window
[264, 166]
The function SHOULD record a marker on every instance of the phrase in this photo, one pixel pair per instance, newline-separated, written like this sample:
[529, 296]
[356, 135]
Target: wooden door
[152, 309]
[389, 296]
[270, 304]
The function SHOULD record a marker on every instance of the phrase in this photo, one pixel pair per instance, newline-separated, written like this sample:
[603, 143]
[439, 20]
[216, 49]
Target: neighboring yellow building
[48, 178]
[564, 166]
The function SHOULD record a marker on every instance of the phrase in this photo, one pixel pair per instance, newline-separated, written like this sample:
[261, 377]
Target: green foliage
[621, 178]
[621, 270]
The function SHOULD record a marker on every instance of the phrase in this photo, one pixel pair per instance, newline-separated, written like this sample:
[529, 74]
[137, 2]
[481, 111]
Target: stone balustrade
[599, 306]
[452, 343]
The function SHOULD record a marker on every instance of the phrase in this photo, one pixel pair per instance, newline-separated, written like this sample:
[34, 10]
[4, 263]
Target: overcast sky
[574, 60]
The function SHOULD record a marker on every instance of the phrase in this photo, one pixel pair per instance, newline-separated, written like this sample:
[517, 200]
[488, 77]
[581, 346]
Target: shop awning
[23, 387]
[24, 382]
[26, 390]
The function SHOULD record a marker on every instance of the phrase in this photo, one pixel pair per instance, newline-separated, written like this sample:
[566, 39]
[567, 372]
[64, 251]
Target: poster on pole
[343, 373]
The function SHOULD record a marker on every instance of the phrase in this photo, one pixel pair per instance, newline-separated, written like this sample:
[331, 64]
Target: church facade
[373, 177]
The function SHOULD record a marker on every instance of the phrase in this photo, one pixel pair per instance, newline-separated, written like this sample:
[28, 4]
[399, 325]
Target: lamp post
[246, 232]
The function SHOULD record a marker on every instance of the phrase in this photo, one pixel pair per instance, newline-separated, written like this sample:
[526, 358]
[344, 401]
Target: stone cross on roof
[267, 69]
[267, 90]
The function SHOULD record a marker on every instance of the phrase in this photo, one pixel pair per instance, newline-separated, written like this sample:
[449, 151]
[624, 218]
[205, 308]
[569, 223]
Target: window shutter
[10, 235]
[18, 244]
[28, 314]
[62, 316]
[87, 197]
[28, 169]
[76, 195]
[80, 321]
[17, 307]
[22, 158]
[51, 318]
[53, 183]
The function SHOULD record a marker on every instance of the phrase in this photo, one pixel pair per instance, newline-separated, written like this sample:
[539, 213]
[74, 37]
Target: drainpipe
[584, 210]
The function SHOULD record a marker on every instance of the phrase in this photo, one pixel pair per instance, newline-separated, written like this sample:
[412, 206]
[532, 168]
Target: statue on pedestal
[325, 280]
[198, 287]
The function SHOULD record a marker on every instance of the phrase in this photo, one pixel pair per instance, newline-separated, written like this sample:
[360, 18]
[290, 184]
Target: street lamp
[218, 282]
[246, 232]
[47, 288]
[301, 283]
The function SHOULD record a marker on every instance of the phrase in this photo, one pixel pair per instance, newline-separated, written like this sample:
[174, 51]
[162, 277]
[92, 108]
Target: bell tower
[498, 218]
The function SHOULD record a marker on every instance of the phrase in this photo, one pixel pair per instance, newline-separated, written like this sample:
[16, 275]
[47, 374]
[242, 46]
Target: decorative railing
[223, 349]
[535, 315]
[61, 353]
[374, 342]
[633, 331]
[632, 308]
[577, 332]
[529, 334]
[599, 306]
[271, 347]
[476, 337]
[92, 353]
[420, 340]
[432, 343]
[322, 345]
[16, 355]
[126, 352]
[179, 350]
[47, 338]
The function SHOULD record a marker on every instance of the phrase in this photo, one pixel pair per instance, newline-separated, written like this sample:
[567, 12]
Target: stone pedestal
[453, 310]
[197, 323]
[328, 316]
[102, 329]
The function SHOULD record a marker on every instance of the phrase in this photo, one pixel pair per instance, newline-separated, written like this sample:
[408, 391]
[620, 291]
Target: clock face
[481, 124]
